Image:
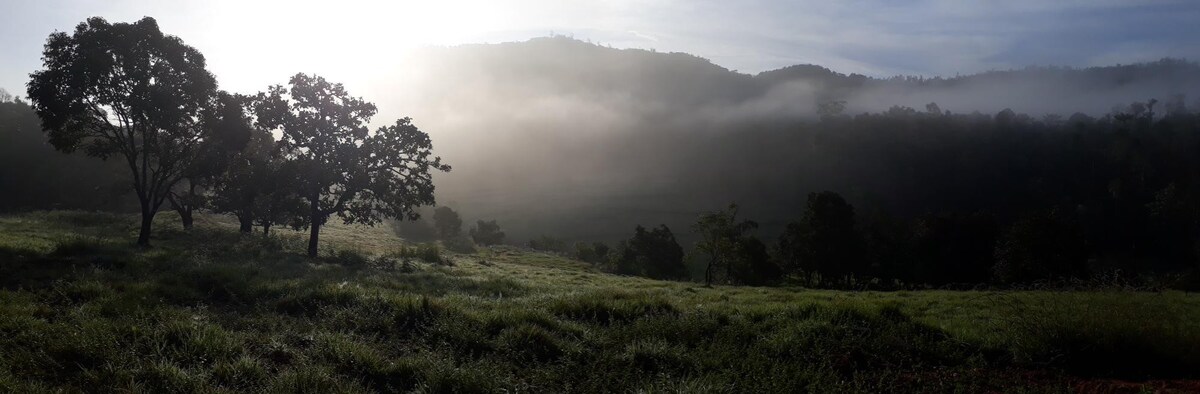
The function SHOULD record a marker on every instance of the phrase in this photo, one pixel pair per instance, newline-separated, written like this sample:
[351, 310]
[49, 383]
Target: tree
[753, 265]
[126, 90]
[721, 235]
[259, 187]
[487, 233]
[447, 222]
[342, 168]
[653, 254]
[227, 131]
[824, 241]
[1040, 245]
[5, 96]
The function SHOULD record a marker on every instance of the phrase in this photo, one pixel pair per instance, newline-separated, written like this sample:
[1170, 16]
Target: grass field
[214, 311]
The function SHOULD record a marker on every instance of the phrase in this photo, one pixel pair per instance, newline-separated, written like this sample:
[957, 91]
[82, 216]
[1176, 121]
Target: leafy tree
[487, 233]
[127, 90]
[342, 168]
[596, 252]
[720, 238]
[227, 131]
[953, 248]
[654, 254]
[825, 240]
[754, 266]
[1039, 246]
[5, 96]
[259, 187]
[447, 222]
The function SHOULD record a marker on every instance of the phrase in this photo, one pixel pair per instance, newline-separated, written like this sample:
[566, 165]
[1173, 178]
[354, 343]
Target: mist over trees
[648, 137]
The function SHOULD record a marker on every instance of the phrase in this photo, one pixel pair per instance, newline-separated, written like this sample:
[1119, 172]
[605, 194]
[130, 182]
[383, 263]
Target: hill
[214, 311]
[581, 141]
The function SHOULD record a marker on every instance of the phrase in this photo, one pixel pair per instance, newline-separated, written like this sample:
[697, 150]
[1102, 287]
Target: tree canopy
[125, 90]
[343, 169]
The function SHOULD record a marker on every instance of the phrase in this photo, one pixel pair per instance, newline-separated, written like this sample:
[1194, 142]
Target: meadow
[212, 310]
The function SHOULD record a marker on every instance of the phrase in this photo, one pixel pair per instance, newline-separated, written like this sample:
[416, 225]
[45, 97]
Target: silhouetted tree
[126, 90]
[824, 241]
[653, 254]
[1039, 246]
[953, 248]
[753, 265]
[344, 169]
[720, 239]
[227, 131]
[259, 187]
[447, 222]
[487, 233]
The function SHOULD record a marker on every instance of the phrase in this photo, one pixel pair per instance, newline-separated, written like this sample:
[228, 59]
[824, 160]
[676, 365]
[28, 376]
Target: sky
[250, 44]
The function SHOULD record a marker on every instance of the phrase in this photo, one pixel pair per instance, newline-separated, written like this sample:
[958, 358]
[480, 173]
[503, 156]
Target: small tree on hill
[653, 254]
[447, 222]
[130, 91]
[720, 238]
[487, 233]
[343, 169]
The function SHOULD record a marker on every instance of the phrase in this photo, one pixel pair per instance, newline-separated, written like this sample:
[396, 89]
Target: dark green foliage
[342, 169]
[653, 254]
[447, 223]
[953, 248]
[1041, 246]
[825, 244]
[595, 252]
[487, 233]
[460, 244]
[35, 176]
[721, 241]
[754, 267]
[126, 90]
[429, 253]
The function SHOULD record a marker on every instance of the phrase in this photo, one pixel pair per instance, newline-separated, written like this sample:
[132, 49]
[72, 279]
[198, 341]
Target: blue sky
[250, 44]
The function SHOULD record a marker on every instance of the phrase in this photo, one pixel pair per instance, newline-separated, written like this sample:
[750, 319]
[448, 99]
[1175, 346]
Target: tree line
[289, 156]
[1002, 199]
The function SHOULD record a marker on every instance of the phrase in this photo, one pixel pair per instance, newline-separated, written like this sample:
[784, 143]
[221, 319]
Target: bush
[429, 253]
[487, 233]
[595, 253]
[460, 244]
[547, 243]
[654, 254]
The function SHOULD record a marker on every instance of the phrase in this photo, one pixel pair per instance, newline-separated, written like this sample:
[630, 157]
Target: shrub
[460, 244]
[487, 233]
[427, 252]
[547, 243]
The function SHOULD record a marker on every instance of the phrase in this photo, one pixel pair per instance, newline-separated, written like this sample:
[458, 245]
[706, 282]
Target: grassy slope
[214, 311]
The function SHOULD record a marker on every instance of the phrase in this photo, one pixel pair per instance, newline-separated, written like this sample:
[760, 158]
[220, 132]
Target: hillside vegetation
[212, 310]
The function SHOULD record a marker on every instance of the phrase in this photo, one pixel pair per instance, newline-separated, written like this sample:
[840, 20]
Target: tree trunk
[246, 225]
[266, 230]
[314, 228]
[147, 220]
[709, 272]
[186, 215]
